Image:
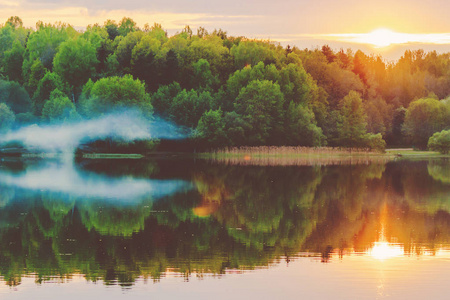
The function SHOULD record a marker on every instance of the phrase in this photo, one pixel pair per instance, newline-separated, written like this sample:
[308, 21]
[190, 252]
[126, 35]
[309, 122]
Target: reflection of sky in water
[65, 179]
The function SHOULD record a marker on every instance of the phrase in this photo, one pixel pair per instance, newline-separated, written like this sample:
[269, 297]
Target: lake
[190, 228]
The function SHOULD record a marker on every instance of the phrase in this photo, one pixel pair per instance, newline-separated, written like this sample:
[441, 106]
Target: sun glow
[384, 250]
[383, 37]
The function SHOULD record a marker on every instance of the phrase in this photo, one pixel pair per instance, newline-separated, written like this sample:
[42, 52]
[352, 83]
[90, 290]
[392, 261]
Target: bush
[440, 141]
[375, 142]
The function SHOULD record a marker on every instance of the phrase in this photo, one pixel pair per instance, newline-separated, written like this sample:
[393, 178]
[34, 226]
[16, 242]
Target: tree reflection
[235, 217]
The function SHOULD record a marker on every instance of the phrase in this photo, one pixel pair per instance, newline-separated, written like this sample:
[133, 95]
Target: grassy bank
[285, 151]
[411, 154]
[311, 156]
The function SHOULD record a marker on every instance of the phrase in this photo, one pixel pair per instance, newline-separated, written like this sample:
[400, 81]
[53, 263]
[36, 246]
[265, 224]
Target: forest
[230, 91]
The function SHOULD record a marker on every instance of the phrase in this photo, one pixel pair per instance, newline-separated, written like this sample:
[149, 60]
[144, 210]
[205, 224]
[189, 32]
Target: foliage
[43, 43]
[15, 96]
[45, 87]
[253, 52]
[75, 62]
[352, 123]
[211, 128]
[440, 141]
[301, 128]
[260, 103]
[375, 142]
[115, 93]
[423, 118]
[7, 117]
[13, 61]
[58, 108]
[188, 74]
[188, 107]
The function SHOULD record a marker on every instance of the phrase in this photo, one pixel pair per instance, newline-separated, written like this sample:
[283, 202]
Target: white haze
[69, 182]
[125, 126]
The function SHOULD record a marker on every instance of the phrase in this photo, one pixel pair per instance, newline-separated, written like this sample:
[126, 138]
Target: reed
[294, 156]
[282, 151]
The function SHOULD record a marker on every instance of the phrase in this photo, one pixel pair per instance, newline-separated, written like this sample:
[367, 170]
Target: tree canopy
[261, 92]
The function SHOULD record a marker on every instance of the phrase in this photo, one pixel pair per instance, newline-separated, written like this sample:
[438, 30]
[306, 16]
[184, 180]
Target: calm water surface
[196, 229]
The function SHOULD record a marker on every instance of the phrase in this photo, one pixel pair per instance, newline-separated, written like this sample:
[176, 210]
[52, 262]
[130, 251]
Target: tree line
[232, 91]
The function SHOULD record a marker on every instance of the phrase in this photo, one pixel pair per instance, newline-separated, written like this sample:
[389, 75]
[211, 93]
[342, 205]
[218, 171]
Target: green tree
[203, 78]
[163, 98]
[43, 44]
[337, 82]
[170, 72]
[236, 128]
[379, 116]
[188, 107]
[260, 103]
[423, 118]
[241, 78]
[253, 52]
[125, 48]
[75, 62]
[6, 40]
[13, 60]
[300, 128]
[353, 121]
[113, 93]
[126, 26]
[112, 29]
[36, 73]
[296, 84]
[210, 128]
[7, 117]
[147, 61]
[440, 141]
[45, 87]
[375, 142]
[14, 21]
[15, 96]
[58, 108]
[210, 48]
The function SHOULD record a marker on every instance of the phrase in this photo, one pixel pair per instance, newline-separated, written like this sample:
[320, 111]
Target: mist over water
[65, 178]
[68, 181]
[126, 126]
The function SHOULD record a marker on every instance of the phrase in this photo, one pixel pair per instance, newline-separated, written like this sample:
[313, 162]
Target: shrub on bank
[440, 141]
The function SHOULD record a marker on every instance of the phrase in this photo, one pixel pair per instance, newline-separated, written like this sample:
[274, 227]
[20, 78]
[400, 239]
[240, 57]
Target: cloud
[8, 3]
[384, 37]
[80, 17]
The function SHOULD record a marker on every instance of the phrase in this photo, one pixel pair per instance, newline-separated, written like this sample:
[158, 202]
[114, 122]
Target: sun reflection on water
[384, 250]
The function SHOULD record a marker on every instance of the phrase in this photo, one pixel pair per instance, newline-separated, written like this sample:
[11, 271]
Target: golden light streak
[384, 37]
[382, 249]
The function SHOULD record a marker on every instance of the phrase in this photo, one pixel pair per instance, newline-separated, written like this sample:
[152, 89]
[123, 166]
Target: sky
[303, 23]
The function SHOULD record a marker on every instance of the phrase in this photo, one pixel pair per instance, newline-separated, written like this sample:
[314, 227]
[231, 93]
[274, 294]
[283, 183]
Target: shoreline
[255, 153]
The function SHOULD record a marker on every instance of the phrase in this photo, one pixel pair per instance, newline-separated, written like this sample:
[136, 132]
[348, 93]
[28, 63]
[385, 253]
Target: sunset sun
[381, 37]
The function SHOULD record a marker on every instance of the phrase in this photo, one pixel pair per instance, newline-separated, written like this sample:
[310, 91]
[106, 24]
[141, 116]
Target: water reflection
[226, 218]
[63, 177]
